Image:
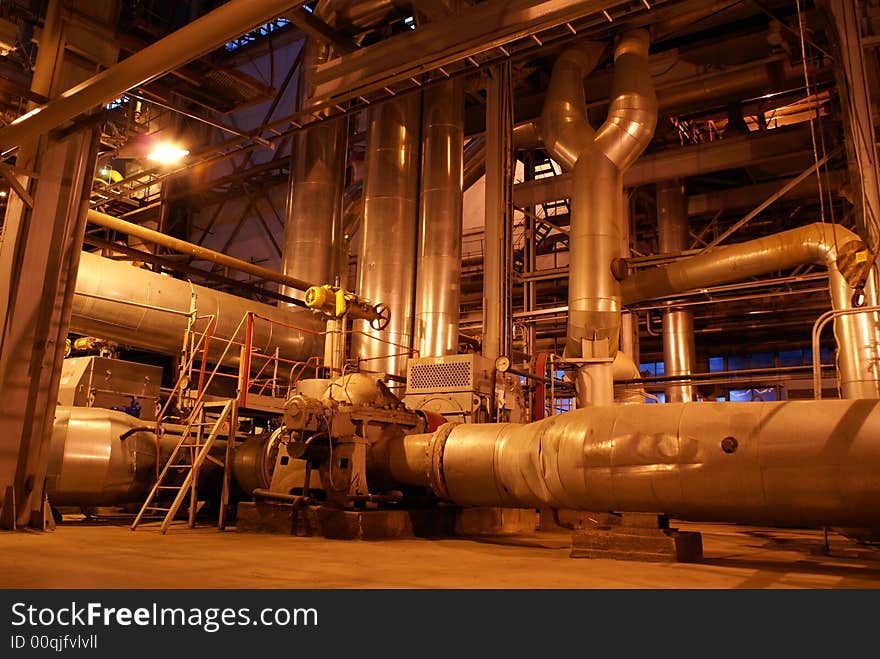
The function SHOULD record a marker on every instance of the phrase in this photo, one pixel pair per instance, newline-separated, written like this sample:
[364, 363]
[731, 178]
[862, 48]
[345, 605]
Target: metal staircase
[189, 455]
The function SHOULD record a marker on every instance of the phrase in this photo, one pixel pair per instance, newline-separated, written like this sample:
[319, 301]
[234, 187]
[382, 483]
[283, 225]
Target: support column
[496, 259]
[39, 257]
[678, 325]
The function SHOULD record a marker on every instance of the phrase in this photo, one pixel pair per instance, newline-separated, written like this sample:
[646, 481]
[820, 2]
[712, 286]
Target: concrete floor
[89, 555]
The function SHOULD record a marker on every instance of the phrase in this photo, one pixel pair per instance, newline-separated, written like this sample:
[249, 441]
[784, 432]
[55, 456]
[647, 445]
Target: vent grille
[445, 376]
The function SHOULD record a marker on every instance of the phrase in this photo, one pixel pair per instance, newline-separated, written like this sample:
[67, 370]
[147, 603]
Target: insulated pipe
[598, 160]
[799, 463]
[387, 256]
[107, 293]
[679, 353]
[439, 253]
[197, 251]
[188, 43]
[313, 228]
[825, 244]
[314, 205]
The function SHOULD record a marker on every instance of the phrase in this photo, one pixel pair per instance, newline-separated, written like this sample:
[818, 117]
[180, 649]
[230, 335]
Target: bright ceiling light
[167, 154]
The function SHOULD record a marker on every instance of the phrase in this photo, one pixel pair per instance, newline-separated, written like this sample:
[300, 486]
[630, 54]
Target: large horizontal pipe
[194, 40]
[133, 306]
[197, 251]
[809, 463]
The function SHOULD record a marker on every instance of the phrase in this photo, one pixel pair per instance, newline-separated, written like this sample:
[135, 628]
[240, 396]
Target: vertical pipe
[387, 256]
[597, 160]
[858, 112]
[439, 253]
[313, 230]
[629, 320]
[495, 291]
[314, 206]
[530, 297]
[678, 326]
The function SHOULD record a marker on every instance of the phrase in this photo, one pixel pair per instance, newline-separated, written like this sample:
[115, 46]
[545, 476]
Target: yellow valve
[341, 303]
[319, 298]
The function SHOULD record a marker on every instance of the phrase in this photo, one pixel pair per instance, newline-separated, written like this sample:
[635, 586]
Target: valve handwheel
[383, 317]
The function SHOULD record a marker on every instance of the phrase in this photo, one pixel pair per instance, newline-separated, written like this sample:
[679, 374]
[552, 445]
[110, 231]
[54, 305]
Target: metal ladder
[198, 452]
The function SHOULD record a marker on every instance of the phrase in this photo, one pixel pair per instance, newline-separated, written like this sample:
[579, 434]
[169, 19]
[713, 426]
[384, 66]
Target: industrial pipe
[799, 463]
[197, 251]
[313, 228]
[439, 248]
[188, 43]
[679, 353]
[833, 246]
[597, 160]
[387, 256]
[133, 306]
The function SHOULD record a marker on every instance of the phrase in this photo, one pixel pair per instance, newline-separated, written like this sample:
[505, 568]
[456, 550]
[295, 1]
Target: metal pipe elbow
[565, 128]
[632, 115]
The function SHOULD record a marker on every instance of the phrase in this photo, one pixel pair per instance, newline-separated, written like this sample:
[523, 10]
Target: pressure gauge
[502, 364]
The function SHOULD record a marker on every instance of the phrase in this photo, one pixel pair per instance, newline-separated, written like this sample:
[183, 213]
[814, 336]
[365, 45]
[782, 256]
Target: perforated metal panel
[446, 374]
[440, 376]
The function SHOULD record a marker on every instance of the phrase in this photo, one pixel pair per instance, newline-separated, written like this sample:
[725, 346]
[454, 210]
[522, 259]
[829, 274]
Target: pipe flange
[434, 452]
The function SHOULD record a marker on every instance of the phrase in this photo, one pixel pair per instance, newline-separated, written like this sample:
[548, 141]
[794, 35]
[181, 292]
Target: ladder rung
[168, 487]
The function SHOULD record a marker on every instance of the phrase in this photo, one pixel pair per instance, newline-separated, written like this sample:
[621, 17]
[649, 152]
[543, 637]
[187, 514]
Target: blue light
[259, 33]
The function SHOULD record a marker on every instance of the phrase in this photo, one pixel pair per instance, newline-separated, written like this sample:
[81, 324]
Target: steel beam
[474, 30]
[188, 43]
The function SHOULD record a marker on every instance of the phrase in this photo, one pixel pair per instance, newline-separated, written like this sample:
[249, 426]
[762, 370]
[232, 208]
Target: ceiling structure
[749, 102]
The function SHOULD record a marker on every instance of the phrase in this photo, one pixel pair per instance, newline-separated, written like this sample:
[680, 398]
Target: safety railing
[818, 326]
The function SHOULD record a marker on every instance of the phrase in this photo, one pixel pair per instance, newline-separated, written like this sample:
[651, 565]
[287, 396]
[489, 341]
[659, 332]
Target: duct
[194, 40]
[798, 463]
[439, 250]
[598, 161]
[387, 256]
[679, 353]
[830, 245]
[133, 306]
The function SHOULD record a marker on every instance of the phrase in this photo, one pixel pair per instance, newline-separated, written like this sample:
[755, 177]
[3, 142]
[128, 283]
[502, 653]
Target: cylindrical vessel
[99, 457]
[387, 256]
[102, 307]
[439, 248]
[811, 463]
[314, 205]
